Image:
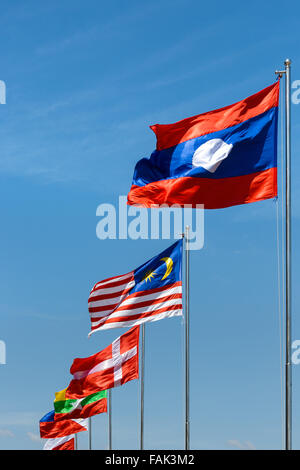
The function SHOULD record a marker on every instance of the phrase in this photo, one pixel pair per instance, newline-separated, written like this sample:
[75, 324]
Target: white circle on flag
[210, 154]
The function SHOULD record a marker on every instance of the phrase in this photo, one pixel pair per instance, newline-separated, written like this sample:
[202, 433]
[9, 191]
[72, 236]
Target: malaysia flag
[219, 159]
[151, 292]
[115, 365]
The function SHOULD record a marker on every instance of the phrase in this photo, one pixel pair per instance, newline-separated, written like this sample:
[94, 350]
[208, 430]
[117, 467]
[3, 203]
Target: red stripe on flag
[107, 285]
[138, 304]
[152, 291]
[110, 307]
[109, 296]
[130, 296]
[68, 445]
[139, 315]
[139, 296]
[169, 135]
[212, 193]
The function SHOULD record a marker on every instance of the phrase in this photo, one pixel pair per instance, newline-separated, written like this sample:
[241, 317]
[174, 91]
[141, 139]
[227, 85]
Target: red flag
[49, 428]
[221, 158]
[117, 364]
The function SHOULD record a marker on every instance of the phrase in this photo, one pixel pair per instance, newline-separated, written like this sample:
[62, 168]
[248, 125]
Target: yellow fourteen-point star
[149, 275]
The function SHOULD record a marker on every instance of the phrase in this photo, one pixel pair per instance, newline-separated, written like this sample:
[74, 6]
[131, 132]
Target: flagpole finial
[287, 62]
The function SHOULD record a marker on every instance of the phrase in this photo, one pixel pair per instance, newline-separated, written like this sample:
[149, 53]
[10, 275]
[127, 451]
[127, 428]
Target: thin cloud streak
[6, 433]
[247, 445]
[19, 418]
[112, 27]
[33, 437]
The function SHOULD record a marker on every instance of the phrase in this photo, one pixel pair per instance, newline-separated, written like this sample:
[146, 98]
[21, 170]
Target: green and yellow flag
[83, 408]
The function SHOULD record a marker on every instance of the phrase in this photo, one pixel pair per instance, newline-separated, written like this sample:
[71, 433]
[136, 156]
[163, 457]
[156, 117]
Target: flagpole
[142, 387]
[288, 249]
[288, 366]
[75, 442]
[109, 420]
[187, 342]
[90, 433]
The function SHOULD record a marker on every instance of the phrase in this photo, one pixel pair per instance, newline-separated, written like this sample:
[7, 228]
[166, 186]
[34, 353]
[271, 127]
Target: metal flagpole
[288, 364]
[187, 343]
[142, 387]
[90, 433]
[109, 420]
[75, 442]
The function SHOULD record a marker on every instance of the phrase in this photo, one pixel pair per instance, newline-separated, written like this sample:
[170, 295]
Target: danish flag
[115, 365]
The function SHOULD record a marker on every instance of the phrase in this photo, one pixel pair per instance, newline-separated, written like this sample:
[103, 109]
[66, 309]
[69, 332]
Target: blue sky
[84, 81]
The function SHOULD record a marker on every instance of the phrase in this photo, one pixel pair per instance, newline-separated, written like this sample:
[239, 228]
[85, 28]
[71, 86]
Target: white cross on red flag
[115, 365]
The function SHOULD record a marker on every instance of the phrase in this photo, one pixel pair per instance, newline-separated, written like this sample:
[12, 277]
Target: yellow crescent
[169, 263]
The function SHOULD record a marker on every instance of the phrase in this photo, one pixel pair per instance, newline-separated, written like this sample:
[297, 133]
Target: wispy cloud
[65, 136]
[6, 433]
[33, 437]
[77, 37]
[19, 418]
[111, 27]
[247, 445]
[8, 310]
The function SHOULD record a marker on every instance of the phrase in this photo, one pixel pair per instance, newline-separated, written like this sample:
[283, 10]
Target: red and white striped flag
[149, 293]
[60, 443]
[113, 366]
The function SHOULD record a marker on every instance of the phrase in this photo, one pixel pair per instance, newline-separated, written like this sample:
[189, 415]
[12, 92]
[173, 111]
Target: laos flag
[219, 159]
